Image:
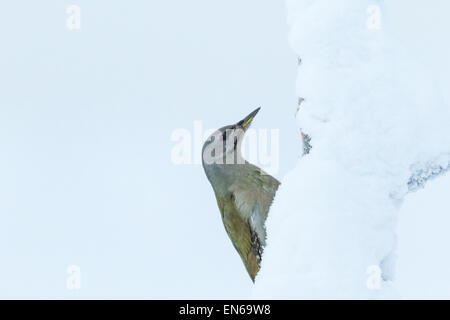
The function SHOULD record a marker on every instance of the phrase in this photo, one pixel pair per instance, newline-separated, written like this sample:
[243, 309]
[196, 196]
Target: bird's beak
[245, 123]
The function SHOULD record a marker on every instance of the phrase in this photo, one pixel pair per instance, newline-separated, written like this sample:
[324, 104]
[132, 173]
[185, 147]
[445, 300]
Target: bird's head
[223, 147]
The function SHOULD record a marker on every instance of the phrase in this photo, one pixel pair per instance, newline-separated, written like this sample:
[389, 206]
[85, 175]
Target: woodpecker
[244, 192]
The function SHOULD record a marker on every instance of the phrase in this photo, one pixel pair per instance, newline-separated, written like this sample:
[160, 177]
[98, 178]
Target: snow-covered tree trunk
[375, 121]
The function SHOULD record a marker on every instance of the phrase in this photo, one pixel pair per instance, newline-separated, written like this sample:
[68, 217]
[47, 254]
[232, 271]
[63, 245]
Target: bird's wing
[242, 235]
[267, 185]
[253, 196]
[244, 210]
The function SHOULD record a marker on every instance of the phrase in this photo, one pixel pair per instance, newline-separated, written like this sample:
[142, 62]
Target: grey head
[221, 152]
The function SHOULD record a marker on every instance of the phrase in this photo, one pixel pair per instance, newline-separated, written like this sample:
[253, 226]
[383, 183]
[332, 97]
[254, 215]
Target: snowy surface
[379, 128]
[86, 119]
[423, 241]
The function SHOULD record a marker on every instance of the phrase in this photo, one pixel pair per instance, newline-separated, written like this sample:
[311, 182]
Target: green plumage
[259, 190]
[244, 194]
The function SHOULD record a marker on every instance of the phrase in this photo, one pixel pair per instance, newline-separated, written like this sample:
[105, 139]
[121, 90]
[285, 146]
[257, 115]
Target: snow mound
[423, 240]
[378, 128]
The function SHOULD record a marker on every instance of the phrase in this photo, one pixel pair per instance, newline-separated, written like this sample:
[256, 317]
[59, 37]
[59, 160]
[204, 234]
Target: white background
[85, 153]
